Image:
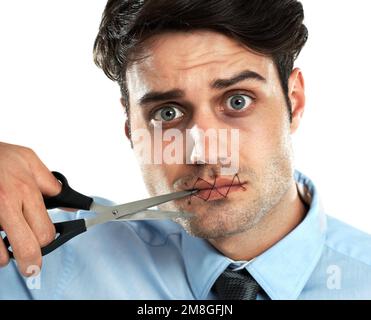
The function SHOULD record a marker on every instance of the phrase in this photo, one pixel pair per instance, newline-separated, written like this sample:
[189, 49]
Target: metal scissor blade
[109, 213]
[140, 205]
[155, 215]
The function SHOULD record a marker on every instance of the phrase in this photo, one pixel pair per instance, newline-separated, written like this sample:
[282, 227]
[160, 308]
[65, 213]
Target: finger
[25, 247]
[69, 209]
[45, 180]
[36, 215]
[4, 256]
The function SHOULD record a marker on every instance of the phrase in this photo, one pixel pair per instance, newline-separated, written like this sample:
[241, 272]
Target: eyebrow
[157, 96]
[242, 76]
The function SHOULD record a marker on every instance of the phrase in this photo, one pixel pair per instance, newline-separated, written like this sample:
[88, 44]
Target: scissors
[69, 198]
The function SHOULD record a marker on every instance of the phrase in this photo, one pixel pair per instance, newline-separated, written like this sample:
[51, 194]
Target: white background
[56, 101]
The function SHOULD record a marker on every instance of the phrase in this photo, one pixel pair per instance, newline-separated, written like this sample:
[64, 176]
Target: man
[258, 232]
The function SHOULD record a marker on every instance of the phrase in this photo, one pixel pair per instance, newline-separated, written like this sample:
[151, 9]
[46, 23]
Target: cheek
[262, 140]
[157, 178]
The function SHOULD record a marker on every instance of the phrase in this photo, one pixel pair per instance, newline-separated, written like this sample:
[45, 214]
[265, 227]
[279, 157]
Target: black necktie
[236, 285]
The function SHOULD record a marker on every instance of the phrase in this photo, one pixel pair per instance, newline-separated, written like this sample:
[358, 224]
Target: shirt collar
[283, 270]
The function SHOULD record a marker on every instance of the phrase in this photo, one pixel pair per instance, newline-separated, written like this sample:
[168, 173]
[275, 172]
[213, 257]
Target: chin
[216, 220]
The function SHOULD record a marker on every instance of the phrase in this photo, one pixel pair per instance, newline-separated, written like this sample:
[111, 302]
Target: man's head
[223, 64]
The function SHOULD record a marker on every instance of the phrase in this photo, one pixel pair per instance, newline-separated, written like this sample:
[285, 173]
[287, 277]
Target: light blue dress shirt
[322, 258]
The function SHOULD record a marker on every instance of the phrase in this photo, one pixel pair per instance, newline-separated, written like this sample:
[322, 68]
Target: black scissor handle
[65, 231]
[67, 198]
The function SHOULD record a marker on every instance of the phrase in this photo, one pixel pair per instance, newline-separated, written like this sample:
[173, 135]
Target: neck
[282, 219]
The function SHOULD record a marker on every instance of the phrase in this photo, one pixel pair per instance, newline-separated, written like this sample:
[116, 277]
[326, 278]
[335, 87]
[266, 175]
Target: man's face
[253, 103]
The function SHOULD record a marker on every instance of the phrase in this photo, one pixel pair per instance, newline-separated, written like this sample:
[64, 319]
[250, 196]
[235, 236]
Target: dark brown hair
[270, 27]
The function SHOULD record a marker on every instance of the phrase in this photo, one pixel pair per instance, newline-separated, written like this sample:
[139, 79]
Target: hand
[23, 216]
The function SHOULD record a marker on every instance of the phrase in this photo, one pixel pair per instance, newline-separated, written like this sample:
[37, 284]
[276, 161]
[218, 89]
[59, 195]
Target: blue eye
[167, 114]
[239, 102]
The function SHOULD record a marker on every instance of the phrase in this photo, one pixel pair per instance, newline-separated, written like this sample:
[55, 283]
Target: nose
[197, 147]
[204, 144]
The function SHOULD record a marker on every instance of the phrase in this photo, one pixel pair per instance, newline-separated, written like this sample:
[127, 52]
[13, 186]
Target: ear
[297, 98]
[127, 130]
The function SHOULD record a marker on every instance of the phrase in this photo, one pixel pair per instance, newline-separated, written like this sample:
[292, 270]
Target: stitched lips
[218, 189]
